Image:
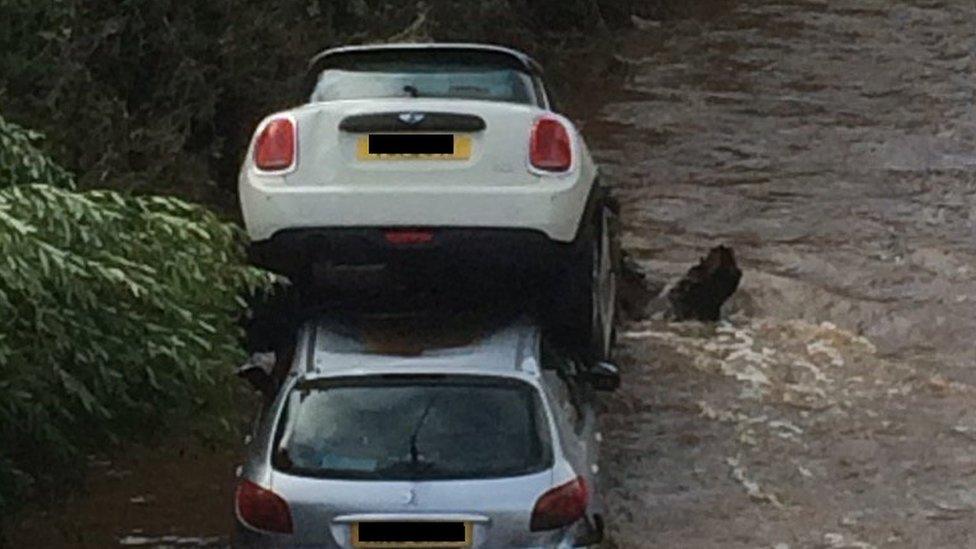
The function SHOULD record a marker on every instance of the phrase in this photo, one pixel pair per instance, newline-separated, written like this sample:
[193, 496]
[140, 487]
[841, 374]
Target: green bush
[117, 314]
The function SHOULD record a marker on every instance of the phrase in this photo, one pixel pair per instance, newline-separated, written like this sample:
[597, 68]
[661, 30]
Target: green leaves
[117, 314]
[21, 161]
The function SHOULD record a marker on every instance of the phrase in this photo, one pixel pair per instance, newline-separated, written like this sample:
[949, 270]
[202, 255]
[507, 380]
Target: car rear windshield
[440, 74]
[455, 427]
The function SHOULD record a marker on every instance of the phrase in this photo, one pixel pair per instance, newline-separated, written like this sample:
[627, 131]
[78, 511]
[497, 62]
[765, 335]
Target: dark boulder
[699, 295]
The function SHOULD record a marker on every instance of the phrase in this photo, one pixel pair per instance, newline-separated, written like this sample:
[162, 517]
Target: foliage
[21, 161]
[118, 314]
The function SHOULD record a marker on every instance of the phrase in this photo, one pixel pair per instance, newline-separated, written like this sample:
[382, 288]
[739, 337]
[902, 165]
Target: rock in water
[699, 295]
[639, 291]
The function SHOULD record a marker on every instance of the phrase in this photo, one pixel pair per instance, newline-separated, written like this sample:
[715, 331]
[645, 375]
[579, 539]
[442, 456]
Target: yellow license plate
[386, 535]
[413, 146]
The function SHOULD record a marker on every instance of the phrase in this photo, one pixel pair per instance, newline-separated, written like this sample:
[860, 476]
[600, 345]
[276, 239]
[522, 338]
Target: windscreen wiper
[412, 90]
[414, 452]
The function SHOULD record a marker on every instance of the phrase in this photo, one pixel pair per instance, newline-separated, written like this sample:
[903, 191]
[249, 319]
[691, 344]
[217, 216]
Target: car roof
[527, 63]
[383, 346]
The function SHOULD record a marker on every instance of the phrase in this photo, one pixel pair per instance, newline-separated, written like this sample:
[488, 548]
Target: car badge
[410, 498]
[412, 118]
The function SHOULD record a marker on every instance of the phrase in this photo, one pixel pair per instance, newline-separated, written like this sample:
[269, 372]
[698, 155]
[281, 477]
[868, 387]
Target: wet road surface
[833, 145]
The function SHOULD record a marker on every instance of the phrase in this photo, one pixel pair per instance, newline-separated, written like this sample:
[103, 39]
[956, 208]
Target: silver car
[381, 438]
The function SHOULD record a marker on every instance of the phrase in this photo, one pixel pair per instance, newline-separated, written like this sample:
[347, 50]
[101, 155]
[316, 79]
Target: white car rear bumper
[550, 205]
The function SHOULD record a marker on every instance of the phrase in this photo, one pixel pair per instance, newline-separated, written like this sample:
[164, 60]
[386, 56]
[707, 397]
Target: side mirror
[259, 379]
[604, 376]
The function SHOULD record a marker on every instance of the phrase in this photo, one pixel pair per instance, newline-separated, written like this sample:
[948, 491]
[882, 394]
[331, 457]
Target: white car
[447, 154]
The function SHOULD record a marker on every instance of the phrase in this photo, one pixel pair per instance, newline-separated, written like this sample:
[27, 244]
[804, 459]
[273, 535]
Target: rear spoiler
[347, 55]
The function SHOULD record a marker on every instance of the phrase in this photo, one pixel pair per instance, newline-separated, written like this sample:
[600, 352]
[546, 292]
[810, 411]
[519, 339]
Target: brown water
[833, 145]
[177, 493]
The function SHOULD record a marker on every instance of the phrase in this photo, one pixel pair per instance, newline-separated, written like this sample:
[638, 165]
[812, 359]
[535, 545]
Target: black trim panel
[431, 122]
[296, 251]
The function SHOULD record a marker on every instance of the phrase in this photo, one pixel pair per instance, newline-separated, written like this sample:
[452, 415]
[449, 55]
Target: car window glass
[568, 403]
[552, 357]
[563, 377]
[481, 83]
[407, 429]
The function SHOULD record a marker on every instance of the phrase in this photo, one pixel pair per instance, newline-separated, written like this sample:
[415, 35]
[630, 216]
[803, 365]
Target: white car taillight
[550, 147]
[262, 509]
[560, 506]
[275, 146]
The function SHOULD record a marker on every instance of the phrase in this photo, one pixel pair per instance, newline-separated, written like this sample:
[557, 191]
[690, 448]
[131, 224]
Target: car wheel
[587, 302]
[604, 288]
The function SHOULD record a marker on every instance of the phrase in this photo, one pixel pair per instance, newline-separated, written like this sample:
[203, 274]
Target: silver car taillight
[560, 506]
[262, 509]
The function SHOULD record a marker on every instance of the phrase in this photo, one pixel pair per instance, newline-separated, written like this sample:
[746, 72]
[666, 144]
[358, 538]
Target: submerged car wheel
[585, 307]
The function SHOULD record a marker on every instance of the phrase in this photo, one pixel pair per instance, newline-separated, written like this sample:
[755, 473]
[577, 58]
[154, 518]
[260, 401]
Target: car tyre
[585, 308]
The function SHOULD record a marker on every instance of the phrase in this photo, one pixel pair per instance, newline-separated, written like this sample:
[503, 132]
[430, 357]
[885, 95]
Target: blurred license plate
[413, 146]
[411, 534]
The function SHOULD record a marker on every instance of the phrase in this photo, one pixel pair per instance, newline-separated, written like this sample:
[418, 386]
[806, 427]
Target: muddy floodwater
[833, 145]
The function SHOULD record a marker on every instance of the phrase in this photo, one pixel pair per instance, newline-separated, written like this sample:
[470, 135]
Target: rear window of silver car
[413, 428]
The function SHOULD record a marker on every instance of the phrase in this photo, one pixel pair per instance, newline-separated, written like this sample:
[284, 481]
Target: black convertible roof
[334, 56]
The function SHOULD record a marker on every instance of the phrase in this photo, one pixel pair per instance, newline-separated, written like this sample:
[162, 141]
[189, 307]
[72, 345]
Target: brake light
[408, 236]
[550, 148]
[275, 147]
[262, 509]
[560, 506]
